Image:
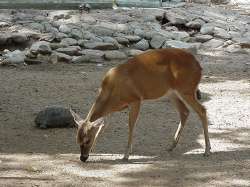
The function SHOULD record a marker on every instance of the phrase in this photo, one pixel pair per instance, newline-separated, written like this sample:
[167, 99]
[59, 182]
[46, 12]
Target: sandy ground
[34, 157]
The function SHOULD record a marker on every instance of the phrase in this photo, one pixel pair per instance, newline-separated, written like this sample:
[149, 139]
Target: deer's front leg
[133, 114]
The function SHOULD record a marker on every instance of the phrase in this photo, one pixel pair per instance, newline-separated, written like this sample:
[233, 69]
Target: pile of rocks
[119, 34]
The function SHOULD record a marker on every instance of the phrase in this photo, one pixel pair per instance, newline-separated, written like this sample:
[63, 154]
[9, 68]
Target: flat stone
[100, 46]
[180, 35]
[221, 33]
[102, 31]
[90, 56]
[71, 50]
[132, 38]
[191, 47]
[113, 55]
[134, 52]
[69, 41]
[213, 43]
[57, 45]
[63, 57]
[203, 38]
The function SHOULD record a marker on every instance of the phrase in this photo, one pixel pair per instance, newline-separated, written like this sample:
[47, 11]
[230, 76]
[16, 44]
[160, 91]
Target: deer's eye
[87, 142]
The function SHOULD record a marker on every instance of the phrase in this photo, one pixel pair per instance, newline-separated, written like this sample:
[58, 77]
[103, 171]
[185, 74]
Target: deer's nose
[83, 158]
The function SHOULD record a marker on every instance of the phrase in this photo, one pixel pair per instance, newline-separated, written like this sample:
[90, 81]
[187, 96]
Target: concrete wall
[73, 4]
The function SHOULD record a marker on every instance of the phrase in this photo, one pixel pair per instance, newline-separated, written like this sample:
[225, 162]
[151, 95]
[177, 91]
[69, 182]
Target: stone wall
[73, 4]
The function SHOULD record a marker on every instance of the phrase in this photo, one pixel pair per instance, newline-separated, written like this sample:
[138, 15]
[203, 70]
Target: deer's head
[87, 132]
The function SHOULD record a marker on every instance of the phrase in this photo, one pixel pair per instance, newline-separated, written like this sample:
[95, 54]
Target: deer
[150, 75]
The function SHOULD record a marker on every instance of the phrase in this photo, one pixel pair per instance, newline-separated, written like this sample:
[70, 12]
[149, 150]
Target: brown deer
[146, 76]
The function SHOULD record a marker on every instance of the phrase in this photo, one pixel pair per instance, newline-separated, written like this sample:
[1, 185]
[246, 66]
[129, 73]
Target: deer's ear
[98, 123]
[78, 120]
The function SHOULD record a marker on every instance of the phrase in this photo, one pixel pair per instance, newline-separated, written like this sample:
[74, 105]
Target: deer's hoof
[206, 154]
[125, 159]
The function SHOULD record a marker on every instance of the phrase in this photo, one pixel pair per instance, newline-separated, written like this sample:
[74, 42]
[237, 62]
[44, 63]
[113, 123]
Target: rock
[54, 117]
[100, 46]
[88, 35]
[132, 38]
[70, 50]
[69, 41]
[76, 34]
[191, 47]
[65, 29]
[102, 31]
[15, 57]
[213, 43]
[90, 56]
[235, 48]
[59, 36]
[42, 47]
[134, 52]
[108, 39]
[88, 19]
[112, 55]
[53, 58]
[19, 38]
[203, 38]
[57, 45]
[141, 45]
[157, 41]
[139, 32]
[207, 29]
[48, 27]
[176, 19]
[37, 26]
[149, 34]
[122, 40]
[180, 35]
[195, 24]
[221, 33]
[4, 24]
[61, 57]
[4, 38]
[116, 27]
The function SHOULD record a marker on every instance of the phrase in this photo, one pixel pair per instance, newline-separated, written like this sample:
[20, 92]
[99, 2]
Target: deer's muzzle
[83, 158]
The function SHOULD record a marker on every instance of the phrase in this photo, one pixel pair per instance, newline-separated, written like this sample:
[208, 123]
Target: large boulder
[54, 117]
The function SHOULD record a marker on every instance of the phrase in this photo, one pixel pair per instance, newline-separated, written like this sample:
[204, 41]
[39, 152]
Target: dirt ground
[34, 157]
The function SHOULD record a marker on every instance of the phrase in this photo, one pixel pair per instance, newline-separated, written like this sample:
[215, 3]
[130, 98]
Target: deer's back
[152, 73]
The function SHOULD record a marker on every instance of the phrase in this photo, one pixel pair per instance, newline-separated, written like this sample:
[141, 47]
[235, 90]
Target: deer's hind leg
[191, 100]
[183, 113]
